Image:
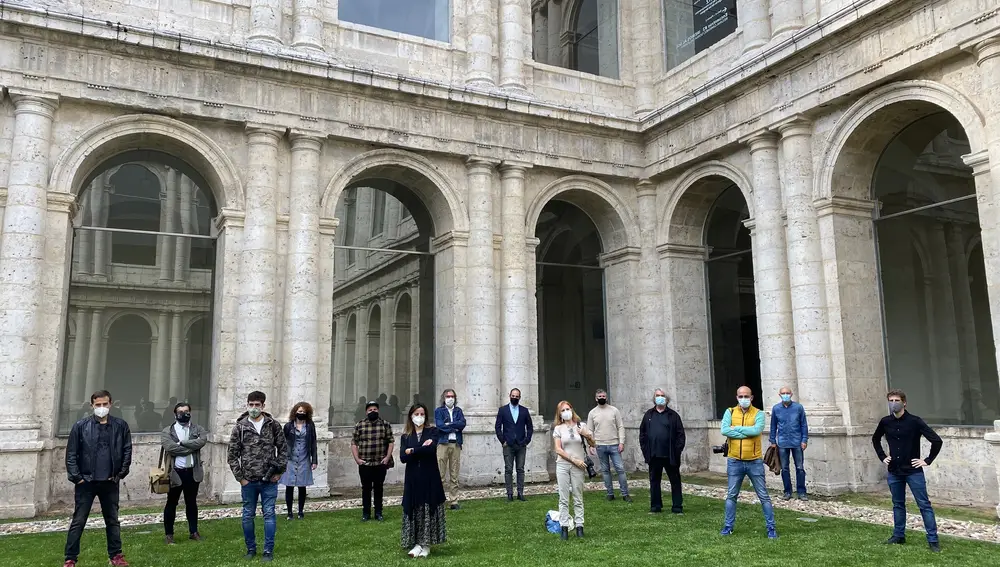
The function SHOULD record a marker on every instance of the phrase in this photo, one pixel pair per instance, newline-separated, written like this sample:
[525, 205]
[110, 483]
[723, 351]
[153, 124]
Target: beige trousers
[570, 480]
[449, 462]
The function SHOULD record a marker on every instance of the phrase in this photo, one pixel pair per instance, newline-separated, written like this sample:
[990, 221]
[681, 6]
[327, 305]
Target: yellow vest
[748, 449]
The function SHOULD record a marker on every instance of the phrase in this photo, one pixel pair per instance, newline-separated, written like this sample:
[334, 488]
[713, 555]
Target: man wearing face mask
[903, 430]
[98, 458]
[743, 425]
[371, 447]
[662, 439]
[450, 421]
[514, 430]
[790, 432]
[182, 443]
[258, 455]
[606, 422]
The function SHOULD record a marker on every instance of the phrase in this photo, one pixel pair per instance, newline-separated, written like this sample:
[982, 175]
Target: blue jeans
[800, 471]
[737, 470]
[610, 453]
[918, 487]
[268, 493]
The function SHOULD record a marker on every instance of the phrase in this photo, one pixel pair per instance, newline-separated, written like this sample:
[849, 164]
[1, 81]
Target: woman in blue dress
[300, 436]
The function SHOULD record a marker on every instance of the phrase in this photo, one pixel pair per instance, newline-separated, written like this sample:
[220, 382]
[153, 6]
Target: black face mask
[184, 417]
[301, 416]
[373, 416]
[515, 401]
[602, 401]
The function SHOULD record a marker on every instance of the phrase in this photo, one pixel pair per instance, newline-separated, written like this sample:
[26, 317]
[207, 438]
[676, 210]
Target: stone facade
[214, 193]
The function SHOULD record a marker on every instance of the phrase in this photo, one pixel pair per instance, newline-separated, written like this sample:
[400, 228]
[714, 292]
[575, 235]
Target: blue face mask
[786, 397]
[660, 400]
[744, 403]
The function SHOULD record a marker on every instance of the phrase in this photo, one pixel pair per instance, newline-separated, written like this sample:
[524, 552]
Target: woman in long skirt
[300, 436]
[423, 494]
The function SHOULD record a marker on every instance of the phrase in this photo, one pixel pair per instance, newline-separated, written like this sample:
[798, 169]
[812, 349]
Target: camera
[591, 471]
[720, 449]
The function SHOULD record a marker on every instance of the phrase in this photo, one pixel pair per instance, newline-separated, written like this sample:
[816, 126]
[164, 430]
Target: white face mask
[450, 402]
[567, 414]
[101, 413]
[418, 420]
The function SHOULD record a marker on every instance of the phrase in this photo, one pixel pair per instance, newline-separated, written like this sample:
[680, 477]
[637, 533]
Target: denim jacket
[788, 426]
[445, 427]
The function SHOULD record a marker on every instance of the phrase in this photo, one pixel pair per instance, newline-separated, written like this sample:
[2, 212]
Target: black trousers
[372, 480]
[83, 500]
[189, 488]
[513, 459]
[289, 492]
[656, 467]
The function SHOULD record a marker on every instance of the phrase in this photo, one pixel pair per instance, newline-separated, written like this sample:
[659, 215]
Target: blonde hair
[559, 420]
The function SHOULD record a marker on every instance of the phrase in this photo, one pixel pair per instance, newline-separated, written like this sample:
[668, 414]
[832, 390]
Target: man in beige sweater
[605, 421]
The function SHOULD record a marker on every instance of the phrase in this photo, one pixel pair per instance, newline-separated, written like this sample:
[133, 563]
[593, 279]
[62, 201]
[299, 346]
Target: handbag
[159, 480]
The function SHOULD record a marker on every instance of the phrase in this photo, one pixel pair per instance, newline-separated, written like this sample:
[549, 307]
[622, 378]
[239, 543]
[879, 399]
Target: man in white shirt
[450, 421]
[605, 421]
[181, 443]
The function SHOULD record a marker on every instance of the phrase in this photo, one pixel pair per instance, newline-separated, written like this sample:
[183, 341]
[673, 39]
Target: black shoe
[611, 497]
[291, 517]
[170, 540]
[379, 518]
[564, 535]
[522, 498]
[678, 511]
[655, 510]
[301, 515]
[250, 554]
[365, 517]
[579, 531]
[267, 557]
[627, 498]
[895, 540]
[935, 546]
[510, 498]
[454, 507]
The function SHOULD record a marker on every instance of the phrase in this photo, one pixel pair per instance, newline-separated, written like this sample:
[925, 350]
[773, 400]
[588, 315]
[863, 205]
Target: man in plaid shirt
[372, 448]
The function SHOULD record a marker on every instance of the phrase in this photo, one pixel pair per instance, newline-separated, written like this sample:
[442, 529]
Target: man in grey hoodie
[258, 455]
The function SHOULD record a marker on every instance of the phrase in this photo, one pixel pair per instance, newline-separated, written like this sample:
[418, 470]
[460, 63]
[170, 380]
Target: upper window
[577, 34]
[424, 18]
[692, 26]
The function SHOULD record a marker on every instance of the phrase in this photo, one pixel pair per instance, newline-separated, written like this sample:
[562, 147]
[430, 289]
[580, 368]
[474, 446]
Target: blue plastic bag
[552, 522]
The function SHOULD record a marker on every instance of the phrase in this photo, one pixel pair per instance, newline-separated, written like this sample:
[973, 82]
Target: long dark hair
[408, 427]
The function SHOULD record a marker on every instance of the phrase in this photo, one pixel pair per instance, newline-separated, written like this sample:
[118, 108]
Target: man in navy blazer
[514, 430]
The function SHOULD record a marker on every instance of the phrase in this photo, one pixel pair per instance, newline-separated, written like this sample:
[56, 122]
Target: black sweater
[903, 435]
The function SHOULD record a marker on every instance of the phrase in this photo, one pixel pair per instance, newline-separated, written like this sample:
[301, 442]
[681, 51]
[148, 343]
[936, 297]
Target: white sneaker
[424, 552]
[415, 551]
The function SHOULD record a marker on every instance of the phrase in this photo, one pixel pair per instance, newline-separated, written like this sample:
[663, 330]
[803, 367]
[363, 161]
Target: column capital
[846, 206]
[797, 125]
[449, 239]
[477, 164]
[510, 169]
[264, 133]
[682, 251]
[986, 50]
[624, 254]
[751, 225]
[61, 203]
[306, 140]
[645, 188]
[230, 218]
[328, 226]
[763, 139]
[979, 162]
[34, 102]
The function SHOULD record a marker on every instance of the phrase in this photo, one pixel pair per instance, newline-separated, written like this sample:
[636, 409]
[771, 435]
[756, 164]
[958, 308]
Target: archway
[403, 372]
[127, 370]
[373, 372]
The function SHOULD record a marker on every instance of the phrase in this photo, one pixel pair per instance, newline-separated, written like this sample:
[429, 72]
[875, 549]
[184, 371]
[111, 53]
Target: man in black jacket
[661, 438]
[902, 430]
[98, 457]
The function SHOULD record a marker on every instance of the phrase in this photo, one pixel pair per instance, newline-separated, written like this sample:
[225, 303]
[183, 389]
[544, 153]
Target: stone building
[339, 200]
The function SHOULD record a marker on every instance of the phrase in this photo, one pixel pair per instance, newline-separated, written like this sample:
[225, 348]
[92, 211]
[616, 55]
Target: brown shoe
[195, 536]
[70, 563]
[118, 561]
[170, 540]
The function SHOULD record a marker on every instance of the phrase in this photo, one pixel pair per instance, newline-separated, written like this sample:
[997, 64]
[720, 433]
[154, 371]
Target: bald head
[744, 391]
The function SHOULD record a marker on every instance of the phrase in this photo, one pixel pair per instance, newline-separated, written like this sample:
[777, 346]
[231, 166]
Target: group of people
[263, 454]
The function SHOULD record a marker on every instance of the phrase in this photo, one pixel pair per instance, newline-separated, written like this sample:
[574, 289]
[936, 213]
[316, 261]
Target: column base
[785, 31]
[480, 82]
[993, 439]
[25, 486]
[482, 454]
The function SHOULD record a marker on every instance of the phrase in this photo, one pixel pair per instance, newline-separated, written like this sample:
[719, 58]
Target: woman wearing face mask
[300, 437]
[423, 493]
[571, 438]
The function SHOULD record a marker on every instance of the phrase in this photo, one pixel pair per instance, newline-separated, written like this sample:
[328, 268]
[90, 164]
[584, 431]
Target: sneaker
[302, 515]
[627, 498]
[250, 554]
[935, 546]
[424, 552]
[289, 517]
[772, 533]
[267, 557]
[726, 531]
[70, 563]
[611, 497]
[118, 561]
[379, 518]
[655, 510]
[522, 498]
[365, 517]
[786, 496]
[415, 551]
[169, 540]
[803, 498]
[895, 541]
[455, 506]
[195, 536]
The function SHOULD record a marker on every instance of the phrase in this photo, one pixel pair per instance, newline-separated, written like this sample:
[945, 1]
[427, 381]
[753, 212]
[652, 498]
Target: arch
[403, 315]
[616, 223]
[682, 220]
[144, 131]
[154, 331]
[193, 321]
[917, 98]
[431, 186]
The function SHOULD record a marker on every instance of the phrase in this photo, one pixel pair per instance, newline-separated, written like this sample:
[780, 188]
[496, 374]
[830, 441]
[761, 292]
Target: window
[430, 19]
[583, 39]
[938, 335]
[692, 26]
[140, 296]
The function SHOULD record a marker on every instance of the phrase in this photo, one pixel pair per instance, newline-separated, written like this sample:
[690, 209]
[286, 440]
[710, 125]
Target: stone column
[361, 353]
[387, 344]
[805, 275]
[169, 214]
[648, 340]
[479, 22]
[756, 24]
[265, 21]
[102, 239]
[513, 14]
[647, 53]
[162, 376]
[182, 246]
[481, 292]
[79, 366]
[308, 25]
[774, 309]
[514, 353]
[786, 17]
[555, 43]
[342, 405]
[95, 375]
[301, 309]
[177, 370]
[539, 36]
[414, 344]
[258, 260]
[22, 263]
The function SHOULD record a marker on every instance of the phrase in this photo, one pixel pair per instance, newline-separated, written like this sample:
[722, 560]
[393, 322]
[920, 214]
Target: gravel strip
[964, 529]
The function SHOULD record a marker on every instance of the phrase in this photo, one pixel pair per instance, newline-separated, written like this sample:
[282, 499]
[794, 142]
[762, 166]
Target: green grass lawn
[495, 532]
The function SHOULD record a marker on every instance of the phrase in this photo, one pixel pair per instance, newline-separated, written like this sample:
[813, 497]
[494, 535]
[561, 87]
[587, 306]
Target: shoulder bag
[159, 480]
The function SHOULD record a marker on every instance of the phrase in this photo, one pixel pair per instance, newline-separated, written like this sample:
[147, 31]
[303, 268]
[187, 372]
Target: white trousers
[570, 480]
